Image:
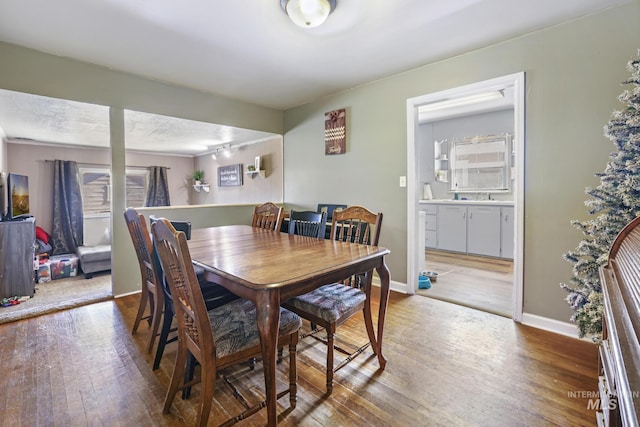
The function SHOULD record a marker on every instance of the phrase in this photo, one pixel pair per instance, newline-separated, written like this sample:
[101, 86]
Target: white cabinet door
[483, 230]
[431, 227]
[452, 228]
[507, 232]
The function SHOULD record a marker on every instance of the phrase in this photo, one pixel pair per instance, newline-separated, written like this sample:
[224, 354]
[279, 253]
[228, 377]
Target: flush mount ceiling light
[308, 13]
[465, 100]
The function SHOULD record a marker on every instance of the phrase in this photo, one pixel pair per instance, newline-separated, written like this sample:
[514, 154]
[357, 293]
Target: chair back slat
[357, 224]
[188, 303]
[268, 216]
[142, 243]
[307, 223]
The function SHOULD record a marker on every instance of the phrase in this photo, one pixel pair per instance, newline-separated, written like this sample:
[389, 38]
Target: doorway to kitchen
[465, 193]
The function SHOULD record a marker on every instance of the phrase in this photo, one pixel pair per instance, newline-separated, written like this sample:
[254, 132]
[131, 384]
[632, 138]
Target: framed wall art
[335, 132]
[230, 176]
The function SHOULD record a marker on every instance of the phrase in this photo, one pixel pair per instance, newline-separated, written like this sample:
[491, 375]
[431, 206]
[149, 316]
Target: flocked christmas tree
[614, 203]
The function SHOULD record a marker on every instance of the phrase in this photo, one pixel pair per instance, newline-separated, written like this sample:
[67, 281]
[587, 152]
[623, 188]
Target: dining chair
[331, 305]
[214, 294]
[308, 223]
[152, 295]
[268, 216]
[217, 338]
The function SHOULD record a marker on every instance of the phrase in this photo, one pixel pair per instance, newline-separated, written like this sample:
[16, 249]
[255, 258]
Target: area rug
[58, 295]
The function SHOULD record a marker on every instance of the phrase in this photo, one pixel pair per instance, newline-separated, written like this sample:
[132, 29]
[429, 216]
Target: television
[18, 197]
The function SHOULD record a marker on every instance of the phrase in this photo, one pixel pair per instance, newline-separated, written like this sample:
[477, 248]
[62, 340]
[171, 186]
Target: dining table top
[265, 259]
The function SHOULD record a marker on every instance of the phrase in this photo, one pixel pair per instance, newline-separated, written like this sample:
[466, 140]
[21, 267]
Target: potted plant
[198, 176]
[251, 168]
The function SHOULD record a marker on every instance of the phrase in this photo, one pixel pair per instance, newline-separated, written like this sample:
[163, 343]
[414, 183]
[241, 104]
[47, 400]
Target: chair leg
[207, 387]
[164, 333]
[293, 371]
[176, 378]
[144, 298]
[330, 333]
[155, 323]
[188, 375]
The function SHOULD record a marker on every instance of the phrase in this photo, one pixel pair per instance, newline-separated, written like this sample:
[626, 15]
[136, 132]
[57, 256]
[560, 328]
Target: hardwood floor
[473, 281]
[448, 365]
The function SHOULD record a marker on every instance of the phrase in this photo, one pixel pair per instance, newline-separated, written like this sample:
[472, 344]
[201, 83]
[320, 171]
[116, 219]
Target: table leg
[383, 273]
[268, 320]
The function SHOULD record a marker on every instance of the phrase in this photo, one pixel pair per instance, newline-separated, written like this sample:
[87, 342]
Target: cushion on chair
[329, 302]
[234, 326]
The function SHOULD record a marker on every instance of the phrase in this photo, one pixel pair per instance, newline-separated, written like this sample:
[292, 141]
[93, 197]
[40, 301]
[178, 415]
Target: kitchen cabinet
[452, 227]
[468, 226]
[431, 226]
[483, 230]
[507, 231]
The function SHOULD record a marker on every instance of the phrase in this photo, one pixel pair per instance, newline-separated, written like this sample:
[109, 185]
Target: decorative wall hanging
[335, 132]
[229, 176]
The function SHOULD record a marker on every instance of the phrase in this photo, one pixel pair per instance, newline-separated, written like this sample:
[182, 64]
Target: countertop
[468, 202]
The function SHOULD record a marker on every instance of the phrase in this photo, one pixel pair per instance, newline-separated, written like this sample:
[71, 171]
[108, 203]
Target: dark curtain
[158, 190]
[67, 208]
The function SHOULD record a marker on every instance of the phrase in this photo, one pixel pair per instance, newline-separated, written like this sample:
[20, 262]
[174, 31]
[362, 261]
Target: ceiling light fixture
[459, 102]
[308, 13]
[225, 150]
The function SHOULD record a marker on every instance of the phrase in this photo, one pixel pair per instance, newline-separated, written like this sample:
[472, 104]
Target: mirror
[480, 164]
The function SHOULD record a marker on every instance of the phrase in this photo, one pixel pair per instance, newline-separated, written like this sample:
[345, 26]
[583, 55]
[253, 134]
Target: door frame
[517, 81]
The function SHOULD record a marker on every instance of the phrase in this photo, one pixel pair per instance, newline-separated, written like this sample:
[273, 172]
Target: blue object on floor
[424, 282]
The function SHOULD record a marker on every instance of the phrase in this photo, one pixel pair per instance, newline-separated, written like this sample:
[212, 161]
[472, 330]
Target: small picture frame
[256, 163]
[335, 132]
[230, 176]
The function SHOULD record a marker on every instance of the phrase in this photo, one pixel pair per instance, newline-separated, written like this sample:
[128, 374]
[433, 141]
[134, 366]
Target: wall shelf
[262, 173]
[199, 187]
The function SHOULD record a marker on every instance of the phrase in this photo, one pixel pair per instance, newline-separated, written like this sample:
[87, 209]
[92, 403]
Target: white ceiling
[249, 50]
[31, 119]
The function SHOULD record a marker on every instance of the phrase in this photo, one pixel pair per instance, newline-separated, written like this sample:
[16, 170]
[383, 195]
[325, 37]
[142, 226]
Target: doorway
[460, 102]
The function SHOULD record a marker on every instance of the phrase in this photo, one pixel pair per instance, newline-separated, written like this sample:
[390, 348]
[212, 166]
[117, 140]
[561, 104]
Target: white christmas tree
[615, 202]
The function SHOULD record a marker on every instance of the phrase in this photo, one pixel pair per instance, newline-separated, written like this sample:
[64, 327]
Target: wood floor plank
[483, 283]
[448, 366]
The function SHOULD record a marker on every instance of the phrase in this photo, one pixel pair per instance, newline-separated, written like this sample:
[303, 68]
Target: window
[95, 185]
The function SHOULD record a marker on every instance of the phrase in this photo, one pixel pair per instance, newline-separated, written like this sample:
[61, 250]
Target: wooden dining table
[269, 267]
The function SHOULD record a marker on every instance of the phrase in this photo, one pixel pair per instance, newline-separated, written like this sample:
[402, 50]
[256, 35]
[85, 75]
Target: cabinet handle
[506, 217]
[464, 214]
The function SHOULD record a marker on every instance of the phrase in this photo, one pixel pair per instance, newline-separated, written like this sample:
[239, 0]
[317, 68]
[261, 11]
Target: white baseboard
[393, 285]
[551, 325]
[127, 294]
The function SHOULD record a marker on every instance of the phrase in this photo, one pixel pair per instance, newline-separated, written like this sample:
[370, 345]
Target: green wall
[573, 74]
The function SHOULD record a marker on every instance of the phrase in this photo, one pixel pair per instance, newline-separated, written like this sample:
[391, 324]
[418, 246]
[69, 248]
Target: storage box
[63, 266]
[44, 272]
